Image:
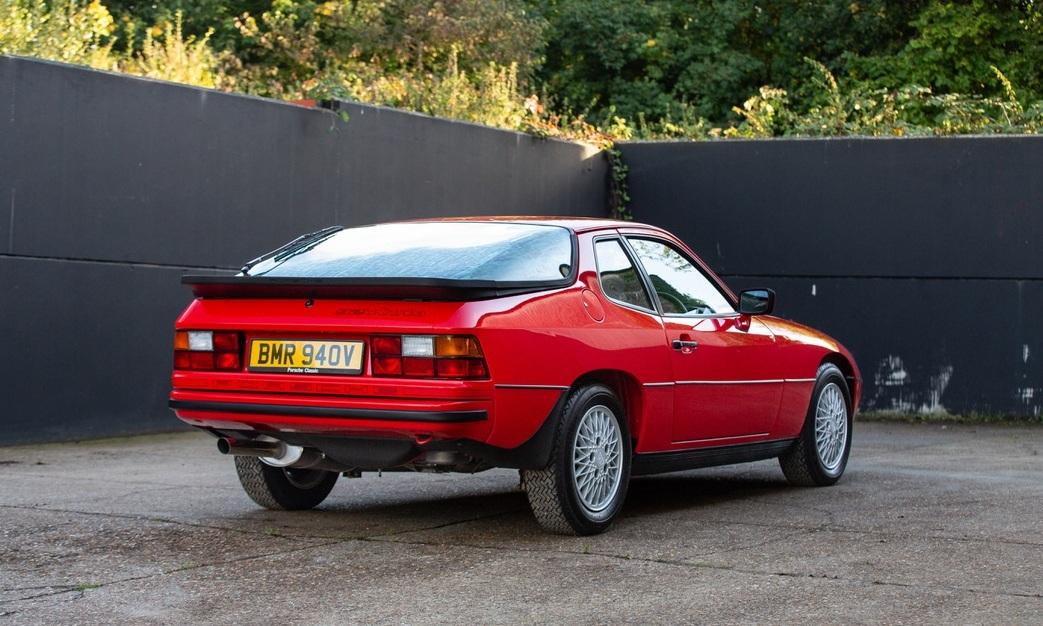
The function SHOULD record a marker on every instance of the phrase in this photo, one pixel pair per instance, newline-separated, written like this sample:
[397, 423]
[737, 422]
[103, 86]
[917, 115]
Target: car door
[726, 385]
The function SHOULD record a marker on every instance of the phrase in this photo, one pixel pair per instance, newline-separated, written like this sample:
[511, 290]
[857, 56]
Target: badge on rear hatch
[296, 356]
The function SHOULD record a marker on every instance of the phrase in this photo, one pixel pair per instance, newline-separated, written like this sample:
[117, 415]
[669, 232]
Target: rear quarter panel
[555, 338]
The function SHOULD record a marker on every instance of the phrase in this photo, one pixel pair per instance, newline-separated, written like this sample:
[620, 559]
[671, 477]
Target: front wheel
[283, 488]
[819, 456]
[583, 488]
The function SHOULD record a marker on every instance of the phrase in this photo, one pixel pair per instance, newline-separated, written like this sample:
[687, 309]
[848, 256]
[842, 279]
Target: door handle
[682, 344]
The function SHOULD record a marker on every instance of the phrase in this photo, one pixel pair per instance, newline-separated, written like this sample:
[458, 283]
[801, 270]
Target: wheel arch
[626, 387]
[847, 368]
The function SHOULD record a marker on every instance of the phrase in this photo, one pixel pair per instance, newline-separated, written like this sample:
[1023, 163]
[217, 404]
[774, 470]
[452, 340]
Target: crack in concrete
[184, 568]
[158, 520]
[693, 565]
[63, 589]
[750, 546]
[396, 538]
[33, 588]
[318, 537]
[880, 533]
[246, 531]
[107, 481]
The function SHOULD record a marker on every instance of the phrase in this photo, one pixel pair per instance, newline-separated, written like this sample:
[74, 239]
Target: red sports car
[581, 352]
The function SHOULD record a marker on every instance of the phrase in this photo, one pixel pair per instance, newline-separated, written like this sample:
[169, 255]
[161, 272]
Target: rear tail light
[205, 350]
[428, 356]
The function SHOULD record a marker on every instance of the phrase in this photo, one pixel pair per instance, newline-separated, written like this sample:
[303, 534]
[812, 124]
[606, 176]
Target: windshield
[490, 251]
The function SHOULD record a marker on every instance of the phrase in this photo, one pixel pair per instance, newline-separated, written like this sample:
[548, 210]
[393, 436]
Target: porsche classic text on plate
[305, 356]
[580, 352]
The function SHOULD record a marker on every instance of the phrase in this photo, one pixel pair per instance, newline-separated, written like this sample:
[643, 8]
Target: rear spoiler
[362, 288]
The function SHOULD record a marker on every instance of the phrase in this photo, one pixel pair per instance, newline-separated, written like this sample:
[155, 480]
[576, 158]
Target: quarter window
[619, 278]
[681, 287]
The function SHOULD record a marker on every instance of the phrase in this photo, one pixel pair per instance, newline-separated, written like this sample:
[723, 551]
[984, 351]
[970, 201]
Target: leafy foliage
[171, 56]
[596, 70]
[66, 31]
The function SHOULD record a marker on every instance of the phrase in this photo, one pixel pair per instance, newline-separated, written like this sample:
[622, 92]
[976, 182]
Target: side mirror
[756, 301]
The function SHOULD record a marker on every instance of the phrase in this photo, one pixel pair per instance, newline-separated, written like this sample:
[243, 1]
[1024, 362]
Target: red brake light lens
[387, 346]
[428, 356]
[228, 361]
[203, 350]
[201, 360]
[476, 368]
[226, 342]
[418, 366]
[182, 360]
[387, 366]
[453, 368]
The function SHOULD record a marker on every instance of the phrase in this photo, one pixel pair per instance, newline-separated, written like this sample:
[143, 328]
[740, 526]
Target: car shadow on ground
[695, 490]
[648, 496]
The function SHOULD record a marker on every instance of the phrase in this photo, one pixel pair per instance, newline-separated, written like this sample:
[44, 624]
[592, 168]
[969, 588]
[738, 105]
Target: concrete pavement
[930, 524]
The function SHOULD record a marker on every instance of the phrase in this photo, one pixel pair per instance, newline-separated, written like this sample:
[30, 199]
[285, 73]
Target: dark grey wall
[110, 187]
[923, 256]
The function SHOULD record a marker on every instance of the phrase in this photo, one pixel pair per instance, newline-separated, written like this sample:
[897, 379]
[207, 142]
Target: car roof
[576, 224]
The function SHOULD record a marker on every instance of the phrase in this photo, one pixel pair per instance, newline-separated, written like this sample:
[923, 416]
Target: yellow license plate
[291, 356]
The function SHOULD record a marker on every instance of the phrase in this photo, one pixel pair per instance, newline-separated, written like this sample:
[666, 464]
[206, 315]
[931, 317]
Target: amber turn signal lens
[457, 345]
[181, 340]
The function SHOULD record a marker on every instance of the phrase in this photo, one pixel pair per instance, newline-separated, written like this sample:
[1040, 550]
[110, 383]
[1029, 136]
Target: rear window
[487, 251]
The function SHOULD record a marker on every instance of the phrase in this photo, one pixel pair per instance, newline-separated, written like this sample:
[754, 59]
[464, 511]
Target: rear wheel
[283, 488]
[583, 488]
[820, 454]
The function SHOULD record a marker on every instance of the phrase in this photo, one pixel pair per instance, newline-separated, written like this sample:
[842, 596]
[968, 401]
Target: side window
[619, 278]
[682, 288]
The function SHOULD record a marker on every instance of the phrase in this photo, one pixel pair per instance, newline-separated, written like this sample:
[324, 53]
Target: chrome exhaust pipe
[279, 454]
[250, 447]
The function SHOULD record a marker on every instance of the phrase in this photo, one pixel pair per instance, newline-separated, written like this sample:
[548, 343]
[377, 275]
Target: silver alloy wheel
[597, 458]
[831, 427]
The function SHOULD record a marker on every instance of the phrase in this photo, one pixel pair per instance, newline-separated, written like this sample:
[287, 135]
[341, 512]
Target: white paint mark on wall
[895, 390]
[939, 382]
[1027, 395]
[813, 289]
[891, 372]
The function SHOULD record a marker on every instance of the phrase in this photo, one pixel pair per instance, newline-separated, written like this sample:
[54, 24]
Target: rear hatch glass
[457, 251]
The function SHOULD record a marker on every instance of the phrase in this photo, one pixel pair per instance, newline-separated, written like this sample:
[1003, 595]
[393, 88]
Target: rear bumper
[500, 425]
[253, 408]
[411, 417]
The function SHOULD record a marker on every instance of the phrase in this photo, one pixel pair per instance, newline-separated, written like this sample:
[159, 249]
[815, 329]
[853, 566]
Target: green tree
[659, 57]
[138, 18]
[955, 44]
[72, 32]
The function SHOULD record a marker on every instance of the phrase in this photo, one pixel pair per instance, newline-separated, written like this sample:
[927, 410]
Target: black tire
[552, 492]
[802, 463]
[283, 488]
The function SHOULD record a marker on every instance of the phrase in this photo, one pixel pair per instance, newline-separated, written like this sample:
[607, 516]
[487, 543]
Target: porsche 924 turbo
[580, 352]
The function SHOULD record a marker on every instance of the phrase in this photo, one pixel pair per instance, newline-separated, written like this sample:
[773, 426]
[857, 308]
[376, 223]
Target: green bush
[84, 34]
[169, 55]
[70, 32]
[595, 70]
